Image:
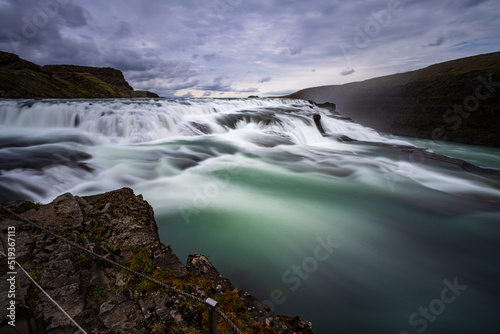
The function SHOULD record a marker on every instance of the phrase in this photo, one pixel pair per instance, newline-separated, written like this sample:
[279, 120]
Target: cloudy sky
[236, 48]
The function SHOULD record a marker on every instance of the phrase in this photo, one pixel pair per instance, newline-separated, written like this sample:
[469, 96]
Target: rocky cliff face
[108, 80]
[144, 94]
[12, 61]
[456, 101]
[22, 79]
[105, 299]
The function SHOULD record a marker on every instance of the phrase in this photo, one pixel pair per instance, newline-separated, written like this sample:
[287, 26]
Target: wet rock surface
[106, 299]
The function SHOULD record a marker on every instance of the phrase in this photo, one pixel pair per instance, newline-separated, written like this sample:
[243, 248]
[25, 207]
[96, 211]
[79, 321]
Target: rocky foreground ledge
[106, 299]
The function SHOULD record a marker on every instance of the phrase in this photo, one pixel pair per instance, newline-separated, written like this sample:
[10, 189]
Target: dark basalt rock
[104, 299]
[144, 94]
[199, 265]
[332, 107]
[317, 122]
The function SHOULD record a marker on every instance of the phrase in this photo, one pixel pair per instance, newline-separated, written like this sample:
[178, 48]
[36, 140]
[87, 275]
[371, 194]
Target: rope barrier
[48, 296]
[168, 287]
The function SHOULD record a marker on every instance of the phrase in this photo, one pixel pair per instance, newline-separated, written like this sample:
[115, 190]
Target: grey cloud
[187, 95]
[438, 42]
[202, 38]
[124, 30]
[209, 57]
[293, 50]
[347, 72]
[216, 84]
[74, 15]
[248, 90]
[166, 69]
[184, 45]
[74, 52]
[129, 60]
[185, 85]
[145, 69]
[162, 89]
[473, 3]
[280, 92]
[31, 27]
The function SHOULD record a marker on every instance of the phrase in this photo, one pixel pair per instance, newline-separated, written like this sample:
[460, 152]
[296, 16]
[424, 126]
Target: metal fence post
[212, 315]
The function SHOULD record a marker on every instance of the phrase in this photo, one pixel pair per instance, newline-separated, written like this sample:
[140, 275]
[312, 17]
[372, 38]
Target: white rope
[46, 294]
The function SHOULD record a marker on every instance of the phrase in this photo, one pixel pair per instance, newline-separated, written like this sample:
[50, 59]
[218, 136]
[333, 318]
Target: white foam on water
[257, 177]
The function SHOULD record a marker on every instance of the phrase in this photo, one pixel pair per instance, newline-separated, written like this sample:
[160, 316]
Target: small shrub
[95, 291]
[141, 262]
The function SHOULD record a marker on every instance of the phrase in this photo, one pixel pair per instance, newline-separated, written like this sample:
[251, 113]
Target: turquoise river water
[353, 230]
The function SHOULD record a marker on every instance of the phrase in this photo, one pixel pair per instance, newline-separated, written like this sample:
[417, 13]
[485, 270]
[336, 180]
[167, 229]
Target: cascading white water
[138, 122]
[254, 184]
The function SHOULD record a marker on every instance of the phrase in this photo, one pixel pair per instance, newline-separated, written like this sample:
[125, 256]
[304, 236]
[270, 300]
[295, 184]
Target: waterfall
[258, 185]
[133, 121]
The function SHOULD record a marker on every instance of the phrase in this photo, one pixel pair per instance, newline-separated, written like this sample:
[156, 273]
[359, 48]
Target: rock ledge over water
[105, 299]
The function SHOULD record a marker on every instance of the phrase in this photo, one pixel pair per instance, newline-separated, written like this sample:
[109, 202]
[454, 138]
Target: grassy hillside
[458, 100]
[20, 79]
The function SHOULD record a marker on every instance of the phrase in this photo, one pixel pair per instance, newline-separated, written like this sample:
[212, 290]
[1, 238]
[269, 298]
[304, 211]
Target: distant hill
[458, 100]
[21, 79]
